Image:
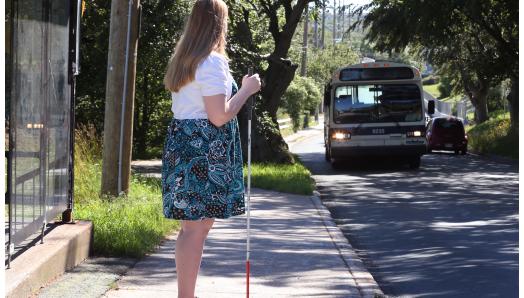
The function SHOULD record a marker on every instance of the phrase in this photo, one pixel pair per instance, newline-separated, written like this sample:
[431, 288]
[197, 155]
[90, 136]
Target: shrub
[494, 137]
[302, 95]
[445, 87]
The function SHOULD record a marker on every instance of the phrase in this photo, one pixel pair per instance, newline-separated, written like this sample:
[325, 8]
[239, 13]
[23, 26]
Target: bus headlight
[340, 135]
[416, 133]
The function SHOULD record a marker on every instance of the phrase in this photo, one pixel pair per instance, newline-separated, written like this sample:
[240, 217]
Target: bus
[375, 109]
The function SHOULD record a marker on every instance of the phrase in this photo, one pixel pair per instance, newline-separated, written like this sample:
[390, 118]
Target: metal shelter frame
[42, 45]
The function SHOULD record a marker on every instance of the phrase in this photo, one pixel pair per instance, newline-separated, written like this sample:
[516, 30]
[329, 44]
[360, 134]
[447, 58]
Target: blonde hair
[204, 32]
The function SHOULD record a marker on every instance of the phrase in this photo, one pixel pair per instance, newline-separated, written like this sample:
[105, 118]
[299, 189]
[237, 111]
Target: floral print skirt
[202, 170]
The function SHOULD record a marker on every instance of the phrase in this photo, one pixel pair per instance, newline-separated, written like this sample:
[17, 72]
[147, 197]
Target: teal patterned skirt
[202, 170]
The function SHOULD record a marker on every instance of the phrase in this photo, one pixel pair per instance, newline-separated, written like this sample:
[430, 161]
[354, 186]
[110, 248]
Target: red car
[447, 133]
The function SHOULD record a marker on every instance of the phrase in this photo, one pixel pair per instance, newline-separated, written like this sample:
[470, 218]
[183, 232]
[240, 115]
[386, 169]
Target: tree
[161, 26]
[162, 22]
[477, 39]
[301, 97]
[280, 20]
[90, 87]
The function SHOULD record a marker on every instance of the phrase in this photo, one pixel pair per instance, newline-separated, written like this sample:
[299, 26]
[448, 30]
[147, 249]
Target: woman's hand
[251, 84]
[220, 110]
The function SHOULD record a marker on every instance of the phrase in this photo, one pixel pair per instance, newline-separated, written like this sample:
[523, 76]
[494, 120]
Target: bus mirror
[431, 107]
[327, 98]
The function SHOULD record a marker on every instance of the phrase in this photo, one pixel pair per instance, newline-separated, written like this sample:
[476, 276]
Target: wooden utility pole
[303, 66]
[349, 24]
[334, 23]
[315, 33]
[123, 39]
[322, 38]
[343, 11]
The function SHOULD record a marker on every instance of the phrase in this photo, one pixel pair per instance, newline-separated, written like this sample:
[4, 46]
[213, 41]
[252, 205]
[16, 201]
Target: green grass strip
[494, 137]
[293, 178]
[129, 225]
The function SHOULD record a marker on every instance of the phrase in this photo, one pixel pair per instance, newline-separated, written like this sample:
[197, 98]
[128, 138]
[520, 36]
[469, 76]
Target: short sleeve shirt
[212, 77]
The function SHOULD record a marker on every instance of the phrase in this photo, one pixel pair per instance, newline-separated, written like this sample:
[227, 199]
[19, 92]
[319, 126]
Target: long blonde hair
[204, 32]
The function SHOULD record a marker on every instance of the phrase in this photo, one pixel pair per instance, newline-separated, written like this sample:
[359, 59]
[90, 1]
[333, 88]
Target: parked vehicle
[447, 133]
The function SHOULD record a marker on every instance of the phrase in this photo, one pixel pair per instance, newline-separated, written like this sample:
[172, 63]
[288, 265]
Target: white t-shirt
[212, 77]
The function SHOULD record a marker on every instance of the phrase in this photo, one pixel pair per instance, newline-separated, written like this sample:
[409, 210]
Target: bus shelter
[41, 64]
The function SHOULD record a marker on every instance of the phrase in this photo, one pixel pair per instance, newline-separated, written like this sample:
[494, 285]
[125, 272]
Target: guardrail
[281, 122]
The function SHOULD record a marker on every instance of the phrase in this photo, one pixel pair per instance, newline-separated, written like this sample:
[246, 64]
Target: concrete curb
[494, 158]
[367, 285]
[64, 247]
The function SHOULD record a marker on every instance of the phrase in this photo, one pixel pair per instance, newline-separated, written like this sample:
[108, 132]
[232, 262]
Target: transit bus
[375, 109]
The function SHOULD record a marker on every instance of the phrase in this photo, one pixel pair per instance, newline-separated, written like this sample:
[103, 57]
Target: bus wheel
[414, 162]
[327, 156]
[336, 164]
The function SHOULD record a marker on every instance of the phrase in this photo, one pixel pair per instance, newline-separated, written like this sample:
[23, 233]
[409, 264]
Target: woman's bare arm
[220, 111]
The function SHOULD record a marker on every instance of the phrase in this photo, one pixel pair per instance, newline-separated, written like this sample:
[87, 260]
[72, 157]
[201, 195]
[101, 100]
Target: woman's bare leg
[188, 254]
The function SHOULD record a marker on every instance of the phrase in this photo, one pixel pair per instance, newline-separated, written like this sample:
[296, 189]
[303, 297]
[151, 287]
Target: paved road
[449, 229]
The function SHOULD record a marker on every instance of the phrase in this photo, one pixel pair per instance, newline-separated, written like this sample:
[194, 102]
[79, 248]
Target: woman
[202, 162]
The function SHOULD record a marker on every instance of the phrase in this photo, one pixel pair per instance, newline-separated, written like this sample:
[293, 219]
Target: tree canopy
[474, 41]
[261, 34]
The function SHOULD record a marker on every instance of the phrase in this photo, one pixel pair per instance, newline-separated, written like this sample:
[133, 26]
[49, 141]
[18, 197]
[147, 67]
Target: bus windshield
[377, 103]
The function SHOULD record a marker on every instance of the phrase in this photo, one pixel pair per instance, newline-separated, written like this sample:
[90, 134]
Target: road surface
[449, 229]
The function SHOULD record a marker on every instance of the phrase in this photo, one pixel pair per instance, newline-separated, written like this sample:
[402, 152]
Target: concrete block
[64, 247]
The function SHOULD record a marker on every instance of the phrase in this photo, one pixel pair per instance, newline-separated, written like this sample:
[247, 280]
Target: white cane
[249, 116]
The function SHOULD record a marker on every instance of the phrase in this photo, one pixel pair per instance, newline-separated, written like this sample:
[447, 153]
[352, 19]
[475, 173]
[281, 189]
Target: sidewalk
[295, 252]
[305, 133]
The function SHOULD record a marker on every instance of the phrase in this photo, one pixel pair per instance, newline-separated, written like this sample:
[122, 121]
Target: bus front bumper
[401, 150]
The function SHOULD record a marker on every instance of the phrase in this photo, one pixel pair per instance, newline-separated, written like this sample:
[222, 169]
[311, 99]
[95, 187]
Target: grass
[432, 89]
[494, 137]
[453, 99]
[129, 225]
[294, 178]
[134, 224]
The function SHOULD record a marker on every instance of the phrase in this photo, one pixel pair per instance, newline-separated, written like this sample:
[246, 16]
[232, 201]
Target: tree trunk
[513, 98]
[267, 142]
[480, 102]
[278, 76]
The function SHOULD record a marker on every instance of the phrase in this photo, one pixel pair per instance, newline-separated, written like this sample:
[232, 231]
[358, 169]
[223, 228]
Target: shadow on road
[448, 229]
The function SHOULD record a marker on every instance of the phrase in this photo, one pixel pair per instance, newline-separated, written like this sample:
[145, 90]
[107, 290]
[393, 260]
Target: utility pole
[303, 66]
[343, 11]
[120, 94]
[315, 33]
[349, 23]
[322, 38]
[334, 23]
